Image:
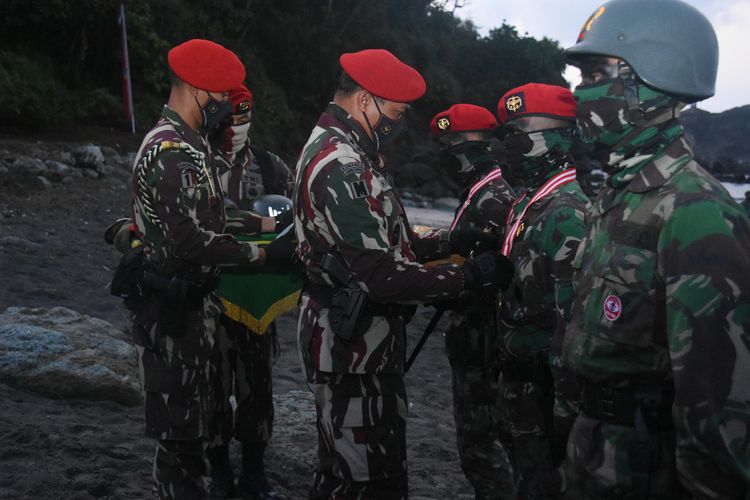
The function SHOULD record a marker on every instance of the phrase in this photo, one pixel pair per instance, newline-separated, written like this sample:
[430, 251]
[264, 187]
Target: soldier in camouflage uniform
[464, 132]
[243, 359]
[541, 237]
[357, 247]
[179, 216]
[660, 330]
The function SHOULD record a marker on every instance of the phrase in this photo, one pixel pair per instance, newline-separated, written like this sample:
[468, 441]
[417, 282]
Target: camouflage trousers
[480, 427]
[174, 374]
[180, 469]
[528, 391]
[601, 459]
[361, 422]
[241, 366]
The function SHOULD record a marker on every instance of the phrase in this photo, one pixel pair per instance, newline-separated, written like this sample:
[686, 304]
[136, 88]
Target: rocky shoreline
[71, 423]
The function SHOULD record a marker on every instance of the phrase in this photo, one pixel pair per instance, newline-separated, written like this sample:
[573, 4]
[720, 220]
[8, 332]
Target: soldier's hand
[487, 271]
[281, 250]
[463, 241]
[283, 220]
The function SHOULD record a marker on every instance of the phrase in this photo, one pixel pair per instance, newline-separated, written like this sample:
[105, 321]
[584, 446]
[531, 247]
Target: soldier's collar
[660, 168]
[188, 134]
[354, 129]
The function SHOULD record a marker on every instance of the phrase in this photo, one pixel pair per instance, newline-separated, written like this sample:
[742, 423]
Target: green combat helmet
[669, 44]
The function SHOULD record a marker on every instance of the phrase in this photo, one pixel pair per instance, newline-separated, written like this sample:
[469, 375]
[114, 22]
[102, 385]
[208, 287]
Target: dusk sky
[561, 20]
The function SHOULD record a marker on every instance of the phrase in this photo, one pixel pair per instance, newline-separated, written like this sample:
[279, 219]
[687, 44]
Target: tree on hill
[61, 58]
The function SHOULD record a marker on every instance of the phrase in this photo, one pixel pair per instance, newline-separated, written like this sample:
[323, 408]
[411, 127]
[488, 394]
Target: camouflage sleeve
[243, 221]
[356, 215]
[494, 201]
[704, 262]
[178, 206]
[564, 229]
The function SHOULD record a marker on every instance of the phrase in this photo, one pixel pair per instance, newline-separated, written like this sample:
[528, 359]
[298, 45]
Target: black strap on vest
[265, 163]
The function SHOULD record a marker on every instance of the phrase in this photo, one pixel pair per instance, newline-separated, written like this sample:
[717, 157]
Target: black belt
[619, 405]
[324, 294]
[181, 291]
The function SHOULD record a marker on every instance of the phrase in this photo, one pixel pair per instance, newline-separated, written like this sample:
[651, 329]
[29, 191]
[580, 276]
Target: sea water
[442, 215]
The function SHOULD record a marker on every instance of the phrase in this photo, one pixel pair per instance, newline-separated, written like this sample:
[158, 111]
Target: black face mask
[214, 113]
[385, 130]
[464, 160]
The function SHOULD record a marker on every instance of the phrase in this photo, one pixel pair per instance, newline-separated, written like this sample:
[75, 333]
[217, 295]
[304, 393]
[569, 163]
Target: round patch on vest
[612, 307]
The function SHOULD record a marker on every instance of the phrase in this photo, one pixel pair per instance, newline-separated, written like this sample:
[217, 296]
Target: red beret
[242, 99]
[537, 99]
[384, 75]
[206, 65]
[463, 118]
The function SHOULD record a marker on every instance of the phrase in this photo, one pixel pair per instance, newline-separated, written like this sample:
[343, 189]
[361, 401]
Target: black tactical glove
[283, 220]
[463, 241]
[487, 271]
[281, 250]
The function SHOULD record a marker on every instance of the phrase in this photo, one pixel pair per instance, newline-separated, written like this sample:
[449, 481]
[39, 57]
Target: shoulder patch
[360, 189]
[354, 167]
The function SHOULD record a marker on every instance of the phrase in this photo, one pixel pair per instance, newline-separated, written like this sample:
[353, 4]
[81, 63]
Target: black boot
[222, 477]
[253, 484]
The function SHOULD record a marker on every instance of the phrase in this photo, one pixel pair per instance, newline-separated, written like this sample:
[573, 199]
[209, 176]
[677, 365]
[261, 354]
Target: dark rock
[91, 174]
[57, 167]
[31, 166]
[108, 152]
[61, 353]
[89, 157]
[44, 182]
[66, 157]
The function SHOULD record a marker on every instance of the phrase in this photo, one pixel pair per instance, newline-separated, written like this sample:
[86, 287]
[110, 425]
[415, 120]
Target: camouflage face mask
[462, 161]
[533, 156]
[612, 113]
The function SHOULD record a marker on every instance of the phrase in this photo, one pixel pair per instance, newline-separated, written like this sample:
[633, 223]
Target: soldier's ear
[363, 99]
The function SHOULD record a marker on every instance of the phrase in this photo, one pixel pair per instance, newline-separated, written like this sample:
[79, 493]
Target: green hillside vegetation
[60, 59]
[720, 141]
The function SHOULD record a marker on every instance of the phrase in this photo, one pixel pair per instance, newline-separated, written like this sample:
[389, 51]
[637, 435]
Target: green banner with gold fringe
[255, 298]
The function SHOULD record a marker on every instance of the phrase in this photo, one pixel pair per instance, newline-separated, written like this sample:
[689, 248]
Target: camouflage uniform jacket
[663, 293]
[178, 207]
[490, 204]
[539, 300]
[244, 179]
[345, 205]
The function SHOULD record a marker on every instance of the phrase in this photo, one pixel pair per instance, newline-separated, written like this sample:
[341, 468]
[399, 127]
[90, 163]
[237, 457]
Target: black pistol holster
[344, 310]
[127, 281]
[347, 303]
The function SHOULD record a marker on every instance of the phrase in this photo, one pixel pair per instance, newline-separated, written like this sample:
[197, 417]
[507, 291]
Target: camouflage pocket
[371, 437]
[622, 304]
